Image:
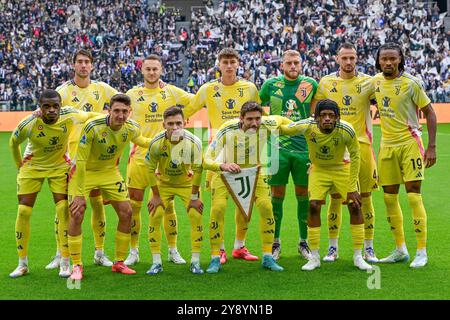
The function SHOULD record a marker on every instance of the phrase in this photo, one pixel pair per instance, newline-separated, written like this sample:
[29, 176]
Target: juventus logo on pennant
[242, 187]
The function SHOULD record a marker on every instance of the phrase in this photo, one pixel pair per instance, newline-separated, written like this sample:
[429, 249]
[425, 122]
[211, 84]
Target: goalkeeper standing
[290, 96]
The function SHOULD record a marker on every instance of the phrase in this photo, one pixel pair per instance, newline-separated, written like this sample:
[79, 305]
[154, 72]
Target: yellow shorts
[400, 164]
[368, 175]
[323, 181]
[168, 193]
[138, 174]
[220, 191]
[110, 183]
[30, 180]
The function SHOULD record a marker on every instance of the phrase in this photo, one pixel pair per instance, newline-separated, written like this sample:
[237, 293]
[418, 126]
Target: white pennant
[242, 188]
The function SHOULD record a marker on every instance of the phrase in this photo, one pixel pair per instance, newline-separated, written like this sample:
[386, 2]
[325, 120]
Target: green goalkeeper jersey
[290, 99]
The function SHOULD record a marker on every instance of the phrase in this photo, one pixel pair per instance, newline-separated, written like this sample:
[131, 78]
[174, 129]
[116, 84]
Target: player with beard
[402, 157]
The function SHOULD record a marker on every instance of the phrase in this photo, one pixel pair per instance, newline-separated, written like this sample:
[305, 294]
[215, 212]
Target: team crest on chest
[303, 91]
[96, 95]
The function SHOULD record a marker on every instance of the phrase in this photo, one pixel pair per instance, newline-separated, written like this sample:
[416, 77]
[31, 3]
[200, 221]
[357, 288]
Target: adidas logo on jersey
[102, 141]
[75, 99]
[141, 99]
[217, 95]
[333, 90]
[41, 134]
[419, 175]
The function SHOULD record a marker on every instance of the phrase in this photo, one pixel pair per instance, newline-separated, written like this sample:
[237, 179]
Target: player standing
[290, 96]
[223, 99]
[177, 155]
[87, 95]
[101, 145]
[240, 144]
[353, 92]
[328, 139]
[148, 102]
[402, 157]
[46, 157]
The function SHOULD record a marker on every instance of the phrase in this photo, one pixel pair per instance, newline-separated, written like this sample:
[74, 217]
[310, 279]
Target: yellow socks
[216, 225]
[170, 225]
[420, 219]
[58, 245]
[368, 213]
[241, 225]
[62, 212]
[122, 243]
[154, 231]
[395, 218]
[357, 231]
[314, 238]
[334, 218]
[75, 245]
[98, 221]
[266, 224]
[23, 229]
[135, 223]
[195, 219]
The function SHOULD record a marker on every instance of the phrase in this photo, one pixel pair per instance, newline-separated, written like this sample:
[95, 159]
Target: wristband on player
[195, 196]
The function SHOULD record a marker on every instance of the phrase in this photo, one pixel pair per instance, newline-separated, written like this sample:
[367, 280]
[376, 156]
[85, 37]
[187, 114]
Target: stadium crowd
[37, 40]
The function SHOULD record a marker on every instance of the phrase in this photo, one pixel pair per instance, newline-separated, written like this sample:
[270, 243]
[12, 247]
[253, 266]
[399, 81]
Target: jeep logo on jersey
[87, 107]
[53, 140]
[230, 103]
[112, 149]
[386, 102]
[325, 149]
[347, 100]
[153, 107]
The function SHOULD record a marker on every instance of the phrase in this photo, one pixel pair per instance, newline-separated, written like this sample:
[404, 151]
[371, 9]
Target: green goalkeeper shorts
[296, 163]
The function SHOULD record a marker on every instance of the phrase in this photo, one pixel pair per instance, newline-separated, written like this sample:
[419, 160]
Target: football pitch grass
[238, 279]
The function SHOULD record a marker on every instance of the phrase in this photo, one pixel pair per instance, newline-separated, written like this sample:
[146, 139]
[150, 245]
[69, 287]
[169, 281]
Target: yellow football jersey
[100, 147]
[223, 102]
[148, 106]
[329, 150]
[398, 100]
[178, 164]
[94, 98]
[353, 98]
[47, 146]
[247, 149]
